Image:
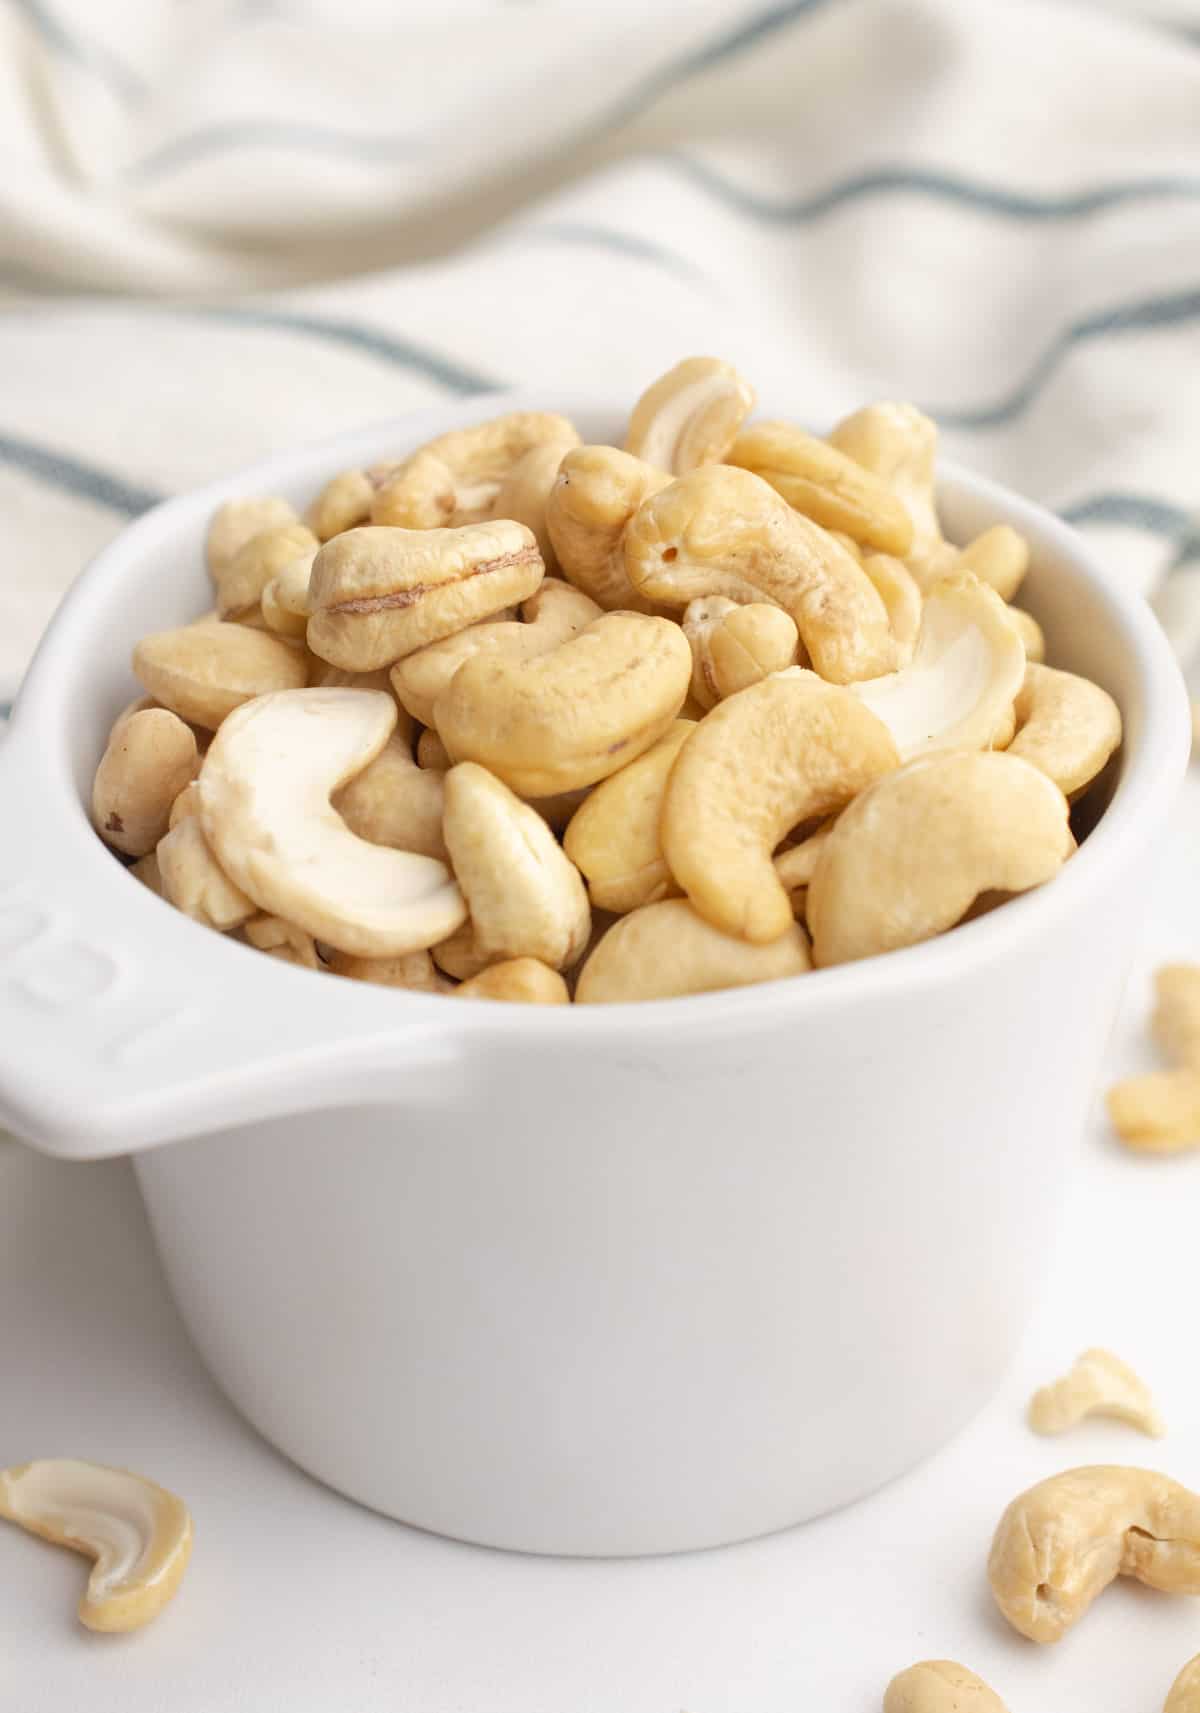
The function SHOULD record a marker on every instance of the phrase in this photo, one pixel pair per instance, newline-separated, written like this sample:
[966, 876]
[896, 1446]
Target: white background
[298, 1600]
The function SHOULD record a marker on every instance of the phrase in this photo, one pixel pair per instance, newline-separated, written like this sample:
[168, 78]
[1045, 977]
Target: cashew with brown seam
[1067, 727]
[150, 758]
[666, 949]
[724, 531]
[825, 484]
[265, 791]
[1060, 1544]
[455, 479]
[595, 496]
[940, 1686]
[787, 750]
[733, 646]
[690, 415]
[914, 851]
[614, 839]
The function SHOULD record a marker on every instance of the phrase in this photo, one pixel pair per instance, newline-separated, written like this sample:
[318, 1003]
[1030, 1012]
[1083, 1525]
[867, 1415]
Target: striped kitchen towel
[234, 224]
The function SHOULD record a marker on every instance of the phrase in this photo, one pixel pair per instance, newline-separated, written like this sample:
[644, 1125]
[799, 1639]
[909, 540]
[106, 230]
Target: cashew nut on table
[514, 717]
[1159, 1113]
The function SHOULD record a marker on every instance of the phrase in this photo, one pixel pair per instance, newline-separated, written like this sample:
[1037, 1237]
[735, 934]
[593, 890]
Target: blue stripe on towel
[609, 238]
[72, 476]
[90, 55]
[271, 134]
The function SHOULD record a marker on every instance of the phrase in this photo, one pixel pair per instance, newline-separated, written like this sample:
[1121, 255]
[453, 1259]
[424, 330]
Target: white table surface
[299, 1600]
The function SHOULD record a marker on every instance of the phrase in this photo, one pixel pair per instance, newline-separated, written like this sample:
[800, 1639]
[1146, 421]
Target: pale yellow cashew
[1185, 1691]
[257, 563]
[827, 485]
[202, 672]
[665, 950]
[787, 750]
[915, 850]
[1175, 1022]
[690, 415]
[796, 865]
[139, 1535]
[1098, 1384]
[524, 981]
[724, 531]
[613, 839]
[966, 670]
[899, 445]
[150, 759]
[1060, 1544]
[1000, 557]
[411, 970]
[573, 716]
[594, 497]
[193, 880]
[900, 593]
[265, 791]
[395, 802]
[1030, 632]
[379, 594]
[940, 1686]
[282, 940]
[734, 646]
[455, 479]
[239, 521]
[526, 897]
[285, 598]
[344, 501]
[1160, 1113]
[1067, 727]
[525, 493]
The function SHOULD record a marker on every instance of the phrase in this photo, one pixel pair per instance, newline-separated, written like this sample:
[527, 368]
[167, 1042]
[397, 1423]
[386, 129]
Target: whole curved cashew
[897, 443]
[237, 522]
[826, 484]
[1160, 1113]
[1031, 634]
[396, 803]
[1099, 1384]
[1000, 557]
[613, 838]
[1185, 1691]
[379, 594]
[915, 850]
[1061, 1543]
[525, 493]
[202, 672]
[724, 531]
[966, 670]
[454, 480]
[785, 751]
[940, 1686]
[664, 950]
[343, 502]
[594, 497]
[523, 980]
[573, 716]
[149, 760]
[284, 599]
[139, 1535]
[525, 896]
[690, 415]
[900, 593]
[265, 791]
[1067, 727]
[734, 646]
[193, 880]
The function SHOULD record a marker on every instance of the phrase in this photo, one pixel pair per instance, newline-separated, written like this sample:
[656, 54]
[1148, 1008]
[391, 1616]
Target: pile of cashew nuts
[518, 718]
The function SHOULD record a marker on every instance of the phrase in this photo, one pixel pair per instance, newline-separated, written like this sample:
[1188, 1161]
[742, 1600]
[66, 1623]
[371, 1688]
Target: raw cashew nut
[394, 802]
[915, 850]
[187, 803]
[523, 980]
[1160, 1113]
[257, 563]
[194, 881]
[940, 1686]
[146, 870]
[613, 838]
[454, 480]
[285, 598]
[1000, 557]
[1099, 1384]
[594, 497]
[787, 750]
[666, 949]
[1061, 1543]
[825, 484]
[265, 791]
[797, 865]
[1067, 727]
[525, 493]
[570, 717]
[432, 754]
[413, 970]
[1030, 632]
[139, 1535]
[203, 672]
[379, 594]
[555, 612]
[282, 940]
[900, 593]
[899, 445]
[735, 646]
[690, 415]
[525, 896]
[239, 521]
[724, 531]
[147, 764]
[343, 502]
[967, 667]
[1185, 1691]
[1176, 1019]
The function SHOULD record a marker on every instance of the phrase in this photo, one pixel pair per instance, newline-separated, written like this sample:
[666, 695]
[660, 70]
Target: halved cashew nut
[1000, 556]
[914, 851]
[522, 980]
[1067, 727]
[826, 484]
[1185, 1691]
[690, 415]
[734, 646]
[1098, 1384]
[193, 880]
[897, 443]
[282, 940]
[203, 672]
[379, 594]
[613, 838]
[454, 480]
[785, 751]
[148, 762]
[139, 1535]
[940, 1686]
[285, 597]
[395, 802]
[595, 495]
[967, 667]
[239, 521]
[570, 717]
[257, 563]
[265, 791]
[525, 896]
[664, 950]
[412, 970]
[724, 531]
[1061, 1543]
